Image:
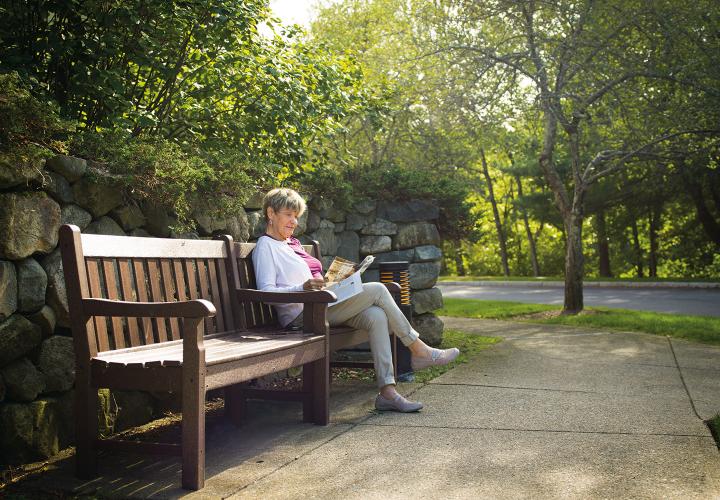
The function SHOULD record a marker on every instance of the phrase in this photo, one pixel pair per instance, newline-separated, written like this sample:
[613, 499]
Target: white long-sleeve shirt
[279, 269]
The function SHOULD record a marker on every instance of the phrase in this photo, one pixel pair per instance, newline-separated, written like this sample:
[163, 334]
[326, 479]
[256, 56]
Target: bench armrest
[393, 287]
[185, 309]
[314, 297]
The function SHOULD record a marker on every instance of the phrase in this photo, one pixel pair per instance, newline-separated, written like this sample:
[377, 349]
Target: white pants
[375, 311]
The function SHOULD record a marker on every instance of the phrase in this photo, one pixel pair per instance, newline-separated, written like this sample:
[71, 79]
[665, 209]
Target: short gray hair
[283, 198]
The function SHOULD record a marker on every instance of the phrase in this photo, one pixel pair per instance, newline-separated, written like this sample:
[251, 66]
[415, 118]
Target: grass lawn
[696, 328]
[560, 278]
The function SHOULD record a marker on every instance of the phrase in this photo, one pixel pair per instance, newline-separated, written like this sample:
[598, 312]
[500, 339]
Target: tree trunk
[574, 264]
[496, 215]
[655, 215]
[704, 215]
[603, 246]
[459, 261]
[528, 232]
[638, 249]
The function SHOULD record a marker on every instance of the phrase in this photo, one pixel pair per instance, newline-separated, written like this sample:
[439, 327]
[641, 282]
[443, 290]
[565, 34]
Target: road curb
[588, 284]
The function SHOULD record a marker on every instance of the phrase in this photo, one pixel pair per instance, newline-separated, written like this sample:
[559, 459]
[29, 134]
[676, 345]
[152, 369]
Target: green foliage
[703, 329]
[193, 72]
[27, 119]
[489, 309]
[163, 172]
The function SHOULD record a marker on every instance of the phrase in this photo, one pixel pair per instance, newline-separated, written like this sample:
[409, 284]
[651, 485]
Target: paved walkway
[549, 412]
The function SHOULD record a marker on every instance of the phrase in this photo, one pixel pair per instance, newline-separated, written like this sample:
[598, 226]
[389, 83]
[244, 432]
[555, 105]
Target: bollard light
[399, 272]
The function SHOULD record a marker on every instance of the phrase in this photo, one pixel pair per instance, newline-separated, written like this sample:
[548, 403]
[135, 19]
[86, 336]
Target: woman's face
[283, 222]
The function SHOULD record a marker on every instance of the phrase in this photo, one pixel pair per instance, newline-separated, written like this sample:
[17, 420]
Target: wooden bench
[160, 315]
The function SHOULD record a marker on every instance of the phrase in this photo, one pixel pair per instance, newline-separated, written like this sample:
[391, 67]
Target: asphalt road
[701, 302]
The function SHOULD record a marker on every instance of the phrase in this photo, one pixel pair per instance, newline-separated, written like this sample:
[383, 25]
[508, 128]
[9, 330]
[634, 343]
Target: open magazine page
[341, 269]
[344, 277]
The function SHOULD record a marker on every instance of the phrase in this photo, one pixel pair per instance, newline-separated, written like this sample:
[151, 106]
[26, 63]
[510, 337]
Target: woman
[282, 265]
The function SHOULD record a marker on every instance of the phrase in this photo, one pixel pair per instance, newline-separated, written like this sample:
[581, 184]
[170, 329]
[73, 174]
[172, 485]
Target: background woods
[559, 138]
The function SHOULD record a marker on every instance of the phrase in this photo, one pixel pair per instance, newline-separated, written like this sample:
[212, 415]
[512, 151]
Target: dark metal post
[399, 272]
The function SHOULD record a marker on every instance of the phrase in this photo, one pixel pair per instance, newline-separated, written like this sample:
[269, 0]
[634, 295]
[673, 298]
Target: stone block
[32, 284]
[313, 222]
[355, 221]
[128, 217]
[302, 224]
[238, 226]
[416, 234]
[56, 361]
[158, 221]
[349, 247]
[68, 166]
[426, 253]
[256, 223]
[107, 412]
[23, 381]
[45, 319]
[331, 213]
[430, 328]
[374, 244]
[327, 239]
[18, 336]
[365, 206]
[8, 289]
[97, 197]
[139, 233]
[3, 389]
[16, 433]
[21, 166]
[133, 408]
[29, 223]
[424, 275]
[255, 202]
[58, 187]
[408, 211]
[428, 300]
[104, 225]
[339, 227]
[56, 295]
[46, 427]
[393, 256]
[381, 227]
[73, 214]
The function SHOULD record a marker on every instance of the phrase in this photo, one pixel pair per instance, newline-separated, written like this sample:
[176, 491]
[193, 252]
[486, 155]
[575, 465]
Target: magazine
[343, 277]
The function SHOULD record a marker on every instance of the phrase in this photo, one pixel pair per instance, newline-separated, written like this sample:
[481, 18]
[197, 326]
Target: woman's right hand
[314, 284]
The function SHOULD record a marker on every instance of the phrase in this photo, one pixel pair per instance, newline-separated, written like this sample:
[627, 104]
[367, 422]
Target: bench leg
[236, 403]
[193, 436]
[86, 429]
[193, 407]
[316, 381]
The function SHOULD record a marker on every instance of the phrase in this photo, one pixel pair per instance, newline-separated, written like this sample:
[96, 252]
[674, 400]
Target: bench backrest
[254, 314]
[143, 270]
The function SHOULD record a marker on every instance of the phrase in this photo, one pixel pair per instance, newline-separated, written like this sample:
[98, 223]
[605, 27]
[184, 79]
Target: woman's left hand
[314, 284]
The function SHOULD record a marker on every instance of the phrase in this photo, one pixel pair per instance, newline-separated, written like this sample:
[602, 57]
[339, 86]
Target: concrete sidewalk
[549, 412]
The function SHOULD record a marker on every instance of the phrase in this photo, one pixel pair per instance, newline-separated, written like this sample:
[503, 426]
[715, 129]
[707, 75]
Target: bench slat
[111, 284]
[156, 295]
[205, 293]
[93, 272]
[142, 295]
[168, 281]
[225, 295]
[126, 286]
[229, 347]
[136, 247]
[214, 286]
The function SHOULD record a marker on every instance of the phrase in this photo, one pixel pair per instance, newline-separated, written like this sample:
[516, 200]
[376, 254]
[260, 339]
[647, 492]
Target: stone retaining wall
[36, 349]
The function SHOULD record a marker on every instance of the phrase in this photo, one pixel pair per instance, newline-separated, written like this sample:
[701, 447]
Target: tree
[577, 57]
